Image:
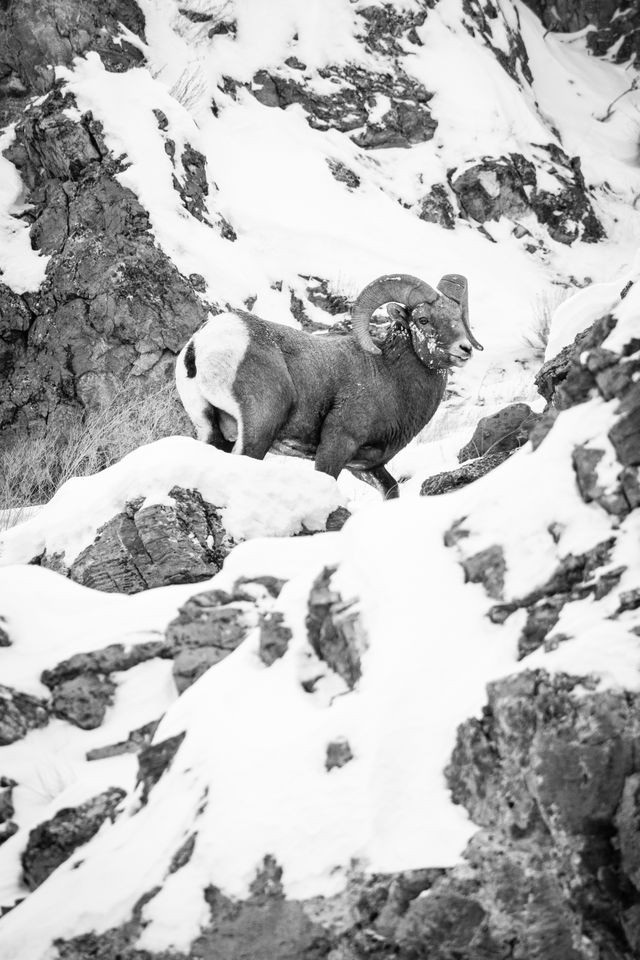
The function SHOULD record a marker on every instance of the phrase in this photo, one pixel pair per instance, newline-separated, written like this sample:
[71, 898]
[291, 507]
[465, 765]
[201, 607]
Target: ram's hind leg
[260, 426]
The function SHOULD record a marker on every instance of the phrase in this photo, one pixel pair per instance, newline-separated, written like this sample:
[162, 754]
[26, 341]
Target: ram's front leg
[336, 449]
[381, 479]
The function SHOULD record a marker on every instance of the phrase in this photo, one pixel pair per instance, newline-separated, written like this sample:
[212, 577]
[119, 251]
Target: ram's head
[437, 320]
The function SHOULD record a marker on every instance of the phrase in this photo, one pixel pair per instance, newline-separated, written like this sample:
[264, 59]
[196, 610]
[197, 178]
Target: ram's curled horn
[455, 287]
[397, 288]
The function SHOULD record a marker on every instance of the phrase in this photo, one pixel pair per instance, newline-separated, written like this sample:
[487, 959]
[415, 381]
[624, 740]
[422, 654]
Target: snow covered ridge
[280, 785]
[202, 495]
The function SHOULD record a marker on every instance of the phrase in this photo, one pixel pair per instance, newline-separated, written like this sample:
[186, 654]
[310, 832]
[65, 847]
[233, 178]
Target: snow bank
[584, 307]
[256, 498]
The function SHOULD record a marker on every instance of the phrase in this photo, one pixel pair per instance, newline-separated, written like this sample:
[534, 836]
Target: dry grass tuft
[31, 471]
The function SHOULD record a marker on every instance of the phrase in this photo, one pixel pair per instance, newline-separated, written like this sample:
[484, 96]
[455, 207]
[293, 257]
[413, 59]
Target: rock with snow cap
[147, 547]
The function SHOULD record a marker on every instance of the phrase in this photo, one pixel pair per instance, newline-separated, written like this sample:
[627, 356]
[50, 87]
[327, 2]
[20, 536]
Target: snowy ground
[383, 810]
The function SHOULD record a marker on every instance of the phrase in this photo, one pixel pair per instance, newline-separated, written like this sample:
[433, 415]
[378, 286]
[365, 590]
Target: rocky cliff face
[112, 307]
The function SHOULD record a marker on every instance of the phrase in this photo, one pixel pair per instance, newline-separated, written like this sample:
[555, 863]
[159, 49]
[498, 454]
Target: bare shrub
[536, 337]
[32, 470]
[190, 89]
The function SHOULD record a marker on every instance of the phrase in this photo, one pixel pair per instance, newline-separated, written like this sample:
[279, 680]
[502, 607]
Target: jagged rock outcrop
[352, 108]
[501, 34]
[112, 308]
[207, 628]
[615, 25]
[53, 842]
[145, 547]
[549, 774]
[65, 29]
[387, 108]
[508, 187]
[586, 368]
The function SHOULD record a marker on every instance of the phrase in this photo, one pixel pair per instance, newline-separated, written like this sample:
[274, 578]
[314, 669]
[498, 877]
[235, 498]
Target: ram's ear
[396, 311]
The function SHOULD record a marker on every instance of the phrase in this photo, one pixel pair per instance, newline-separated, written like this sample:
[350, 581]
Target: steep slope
[292, 800]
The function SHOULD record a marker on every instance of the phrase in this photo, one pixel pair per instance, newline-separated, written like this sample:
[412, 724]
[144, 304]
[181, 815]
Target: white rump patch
[220, 347]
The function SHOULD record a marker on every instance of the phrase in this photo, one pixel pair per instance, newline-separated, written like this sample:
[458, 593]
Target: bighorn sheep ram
[251, 386]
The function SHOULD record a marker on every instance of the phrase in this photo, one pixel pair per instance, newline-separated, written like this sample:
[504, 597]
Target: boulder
[83, 700]
[339, 753]
[145, 547]
[500, 432]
